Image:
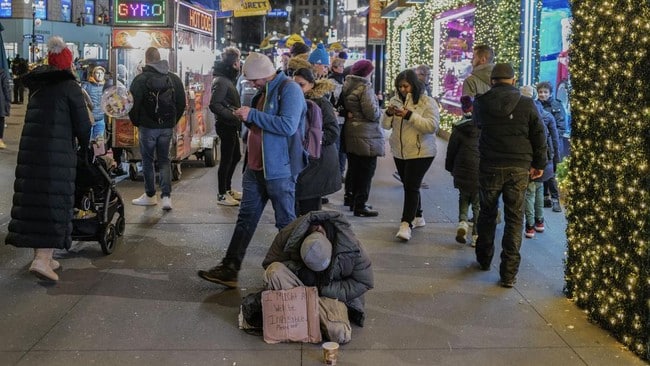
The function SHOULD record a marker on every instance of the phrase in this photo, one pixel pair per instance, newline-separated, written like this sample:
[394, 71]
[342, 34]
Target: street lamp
[289, 8]
[32, 44]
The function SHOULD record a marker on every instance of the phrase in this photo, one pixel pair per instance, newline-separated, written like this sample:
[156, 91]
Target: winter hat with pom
[58, 53]
[319, 56]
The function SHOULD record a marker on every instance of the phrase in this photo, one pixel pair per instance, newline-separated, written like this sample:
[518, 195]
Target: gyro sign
[195, 19]
[140, 12]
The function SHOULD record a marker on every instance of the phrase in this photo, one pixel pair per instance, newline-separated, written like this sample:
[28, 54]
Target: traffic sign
[40, 38]
[27, 36]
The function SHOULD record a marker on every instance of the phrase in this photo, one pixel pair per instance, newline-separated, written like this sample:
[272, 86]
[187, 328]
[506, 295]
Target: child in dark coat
[462, 162]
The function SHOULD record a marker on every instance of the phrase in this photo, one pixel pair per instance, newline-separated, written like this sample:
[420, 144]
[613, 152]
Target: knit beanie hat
[362, 68]
[502, 71]
[257, 66]
[466, 104]
[58, 53]
[319, 56]
[528, 91]
[316, 251]
[343, 55]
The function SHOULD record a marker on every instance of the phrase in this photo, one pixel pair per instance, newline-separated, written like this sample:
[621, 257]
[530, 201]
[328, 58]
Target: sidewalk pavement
[144, 304]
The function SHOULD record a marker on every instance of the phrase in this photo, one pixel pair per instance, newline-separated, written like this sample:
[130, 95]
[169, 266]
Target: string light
[607, 265]
[497, 23]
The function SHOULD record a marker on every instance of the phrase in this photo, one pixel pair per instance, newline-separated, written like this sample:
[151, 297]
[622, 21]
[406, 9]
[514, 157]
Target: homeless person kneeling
[319, 249]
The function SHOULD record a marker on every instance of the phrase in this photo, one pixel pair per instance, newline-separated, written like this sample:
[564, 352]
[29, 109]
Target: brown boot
[41, 265]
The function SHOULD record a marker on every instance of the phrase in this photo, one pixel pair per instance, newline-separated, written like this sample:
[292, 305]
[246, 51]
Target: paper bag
[291, 315]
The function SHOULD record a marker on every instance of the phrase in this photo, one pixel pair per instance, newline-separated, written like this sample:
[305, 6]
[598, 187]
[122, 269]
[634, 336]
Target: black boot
[365, 211]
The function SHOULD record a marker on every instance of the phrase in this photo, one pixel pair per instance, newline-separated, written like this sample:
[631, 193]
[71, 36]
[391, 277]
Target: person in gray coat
[363, 136]
[482, 64]
[346, 276]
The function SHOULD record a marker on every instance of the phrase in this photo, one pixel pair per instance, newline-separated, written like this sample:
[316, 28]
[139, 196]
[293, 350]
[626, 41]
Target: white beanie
[257, 66]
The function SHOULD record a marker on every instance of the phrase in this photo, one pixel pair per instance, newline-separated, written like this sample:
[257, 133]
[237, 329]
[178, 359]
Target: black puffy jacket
[55, 121]
[462, 155]
[512, 134]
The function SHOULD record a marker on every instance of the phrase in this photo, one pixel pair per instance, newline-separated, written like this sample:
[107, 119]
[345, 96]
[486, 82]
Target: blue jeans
[534, 203]
[512, 183]
[256, 192]
[154, 144]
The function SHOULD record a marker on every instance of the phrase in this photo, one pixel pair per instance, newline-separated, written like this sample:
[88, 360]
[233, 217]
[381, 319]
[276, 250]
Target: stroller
[96, 202]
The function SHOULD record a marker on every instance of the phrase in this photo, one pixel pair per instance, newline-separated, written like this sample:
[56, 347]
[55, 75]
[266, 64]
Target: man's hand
[535, 173]
[242, 113]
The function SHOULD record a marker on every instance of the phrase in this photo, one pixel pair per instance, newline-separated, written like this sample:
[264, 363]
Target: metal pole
[33, 44]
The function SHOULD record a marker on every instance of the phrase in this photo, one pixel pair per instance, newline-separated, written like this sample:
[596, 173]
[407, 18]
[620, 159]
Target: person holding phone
[414, 118]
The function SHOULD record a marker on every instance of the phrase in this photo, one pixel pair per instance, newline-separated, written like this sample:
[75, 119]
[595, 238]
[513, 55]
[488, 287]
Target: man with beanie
[482, 63]
[156, 132]
[320, 249]
[275, 158]
[56, 124]
[512, 148]
[320, 61]
[224, 100]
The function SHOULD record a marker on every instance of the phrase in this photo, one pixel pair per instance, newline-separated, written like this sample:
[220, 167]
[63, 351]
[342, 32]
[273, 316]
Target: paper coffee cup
[330, 352]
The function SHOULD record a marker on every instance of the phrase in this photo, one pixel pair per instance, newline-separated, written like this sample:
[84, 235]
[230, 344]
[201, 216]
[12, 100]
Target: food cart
[184, 36]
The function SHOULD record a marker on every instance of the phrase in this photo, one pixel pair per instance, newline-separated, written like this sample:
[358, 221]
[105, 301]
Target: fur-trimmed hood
[299, 62]
[322, 87]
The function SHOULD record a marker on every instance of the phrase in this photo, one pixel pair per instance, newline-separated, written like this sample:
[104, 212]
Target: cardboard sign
[291, 315]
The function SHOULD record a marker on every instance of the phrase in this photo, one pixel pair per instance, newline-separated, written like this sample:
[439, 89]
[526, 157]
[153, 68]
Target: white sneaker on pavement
[404, 232]
[227, 200]
[235, 194]
[418, 222]
[461, 232]
[145, 200]
[166, 203]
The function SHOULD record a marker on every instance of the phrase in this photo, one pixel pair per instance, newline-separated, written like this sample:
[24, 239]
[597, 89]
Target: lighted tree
[608, 262]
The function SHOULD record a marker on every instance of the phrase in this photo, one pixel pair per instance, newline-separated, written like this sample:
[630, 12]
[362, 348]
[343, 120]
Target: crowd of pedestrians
[503, 150]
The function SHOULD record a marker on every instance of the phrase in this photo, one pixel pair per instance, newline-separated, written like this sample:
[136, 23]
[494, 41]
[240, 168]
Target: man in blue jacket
[275, 158]
[512, 149]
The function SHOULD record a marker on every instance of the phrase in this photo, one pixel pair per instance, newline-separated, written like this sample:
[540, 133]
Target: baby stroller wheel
[120, 225]
[107, 241]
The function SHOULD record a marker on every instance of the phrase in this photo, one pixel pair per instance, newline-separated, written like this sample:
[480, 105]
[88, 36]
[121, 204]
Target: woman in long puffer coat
[56, 122]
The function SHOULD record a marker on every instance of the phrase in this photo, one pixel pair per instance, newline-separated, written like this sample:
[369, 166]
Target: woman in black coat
[224, 100]
[56, 124]
[322, 176]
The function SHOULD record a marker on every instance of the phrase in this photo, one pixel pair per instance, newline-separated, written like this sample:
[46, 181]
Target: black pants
[19, 91]
[412, 173]
[551, 189]
[308, 205]
[2, 127]
[230, 156]
[358, 178]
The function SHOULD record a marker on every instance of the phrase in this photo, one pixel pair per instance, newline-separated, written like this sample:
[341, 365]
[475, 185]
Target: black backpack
[159, 101]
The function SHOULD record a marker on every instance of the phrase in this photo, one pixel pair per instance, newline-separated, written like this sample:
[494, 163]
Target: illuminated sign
[195, 19]
[140, 12]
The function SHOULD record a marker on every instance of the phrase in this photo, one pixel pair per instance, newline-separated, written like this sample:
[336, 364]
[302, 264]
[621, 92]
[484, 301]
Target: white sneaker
[227, 200]
[474, 239]
[418, 222]
[235, 194]
[2, 144]
[166, 203]
[404, 232]
[461, 232]
[145, 200]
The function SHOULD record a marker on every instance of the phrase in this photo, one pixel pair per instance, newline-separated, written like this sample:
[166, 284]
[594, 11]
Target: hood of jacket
[161, 66]
[299, 62]
[466, 127]
[353, 81]
[46, 75]
[321, 88]
[227, 71]
[500, 101]
[483, 72]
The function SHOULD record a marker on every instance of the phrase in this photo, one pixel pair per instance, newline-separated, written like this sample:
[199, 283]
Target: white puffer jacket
[414, 137]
